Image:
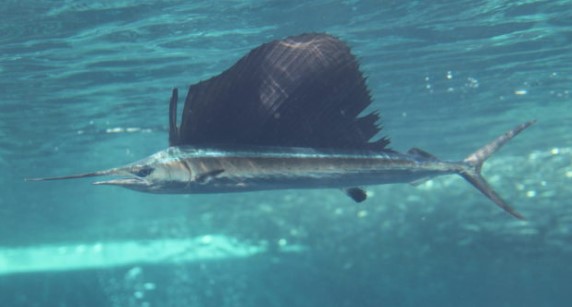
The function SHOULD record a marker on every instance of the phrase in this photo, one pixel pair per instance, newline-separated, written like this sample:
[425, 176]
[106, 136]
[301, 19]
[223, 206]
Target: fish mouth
[132, 181]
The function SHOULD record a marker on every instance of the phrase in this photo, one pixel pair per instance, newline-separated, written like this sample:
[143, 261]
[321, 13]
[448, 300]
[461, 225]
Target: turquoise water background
[84, 85]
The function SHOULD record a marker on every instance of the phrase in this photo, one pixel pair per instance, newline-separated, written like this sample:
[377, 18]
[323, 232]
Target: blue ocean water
[85, 85]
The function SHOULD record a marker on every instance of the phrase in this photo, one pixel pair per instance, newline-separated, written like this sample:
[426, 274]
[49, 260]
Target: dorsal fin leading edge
[173, 129]
[302, 91]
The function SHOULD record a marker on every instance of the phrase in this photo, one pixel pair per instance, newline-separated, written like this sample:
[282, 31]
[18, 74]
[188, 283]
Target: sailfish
[288, 115]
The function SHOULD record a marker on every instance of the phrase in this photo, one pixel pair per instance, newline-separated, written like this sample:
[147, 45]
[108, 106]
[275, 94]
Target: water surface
[85, 86]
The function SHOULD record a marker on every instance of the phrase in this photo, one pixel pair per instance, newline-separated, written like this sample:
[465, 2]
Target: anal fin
[357, 194]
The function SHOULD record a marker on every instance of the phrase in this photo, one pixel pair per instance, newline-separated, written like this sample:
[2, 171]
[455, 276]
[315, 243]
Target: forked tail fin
[475, 161]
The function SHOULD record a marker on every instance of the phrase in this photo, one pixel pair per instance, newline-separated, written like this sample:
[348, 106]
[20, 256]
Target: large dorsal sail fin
[304, 91]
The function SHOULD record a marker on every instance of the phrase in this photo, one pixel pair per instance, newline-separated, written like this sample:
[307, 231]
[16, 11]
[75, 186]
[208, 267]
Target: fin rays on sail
[304, 91]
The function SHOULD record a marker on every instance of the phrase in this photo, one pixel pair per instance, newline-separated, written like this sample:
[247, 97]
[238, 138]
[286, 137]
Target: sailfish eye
[144, 171]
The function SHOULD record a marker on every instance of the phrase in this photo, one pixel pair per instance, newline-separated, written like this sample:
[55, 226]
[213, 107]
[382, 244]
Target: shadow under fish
[287, 116]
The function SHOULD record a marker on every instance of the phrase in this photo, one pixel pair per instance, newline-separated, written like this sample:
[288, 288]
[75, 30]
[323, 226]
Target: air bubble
[520, 92]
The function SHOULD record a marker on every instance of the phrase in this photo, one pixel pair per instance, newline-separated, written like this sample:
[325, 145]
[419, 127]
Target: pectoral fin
[208, 176]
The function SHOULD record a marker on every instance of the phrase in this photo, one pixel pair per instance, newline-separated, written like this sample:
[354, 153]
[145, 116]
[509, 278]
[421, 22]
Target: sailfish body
[287, 116]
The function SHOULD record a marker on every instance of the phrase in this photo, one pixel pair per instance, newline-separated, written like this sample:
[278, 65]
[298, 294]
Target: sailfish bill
[288, 115]
[77, 176]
